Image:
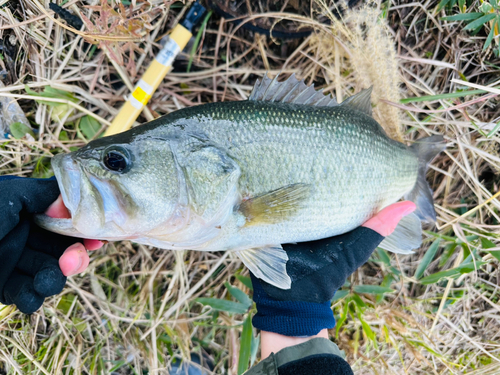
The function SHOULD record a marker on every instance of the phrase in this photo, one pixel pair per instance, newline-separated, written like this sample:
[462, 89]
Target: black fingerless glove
[29, 255]
[317, 270]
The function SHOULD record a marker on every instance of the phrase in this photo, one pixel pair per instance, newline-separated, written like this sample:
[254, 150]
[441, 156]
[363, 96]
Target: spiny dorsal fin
[290, 91]
[361, 101]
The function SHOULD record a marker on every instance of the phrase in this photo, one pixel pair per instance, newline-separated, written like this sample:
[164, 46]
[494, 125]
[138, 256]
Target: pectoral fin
[268, 264]
[275, 206]
[406, 237]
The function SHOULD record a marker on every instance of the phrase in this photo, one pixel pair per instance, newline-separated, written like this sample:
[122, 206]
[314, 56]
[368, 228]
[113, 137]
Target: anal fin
[267, 263]
[406, 237]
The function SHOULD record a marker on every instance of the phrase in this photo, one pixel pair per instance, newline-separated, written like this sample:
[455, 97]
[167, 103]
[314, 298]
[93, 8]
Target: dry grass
[134, 310]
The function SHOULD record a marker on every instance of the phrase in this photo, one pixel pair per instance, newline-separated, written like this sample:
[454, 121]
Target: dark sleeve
[313, 357]
[325, 364]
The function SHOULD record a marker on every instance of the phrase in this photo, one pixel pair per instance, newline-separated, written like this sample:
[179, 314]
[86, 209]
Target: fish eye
[117, 159]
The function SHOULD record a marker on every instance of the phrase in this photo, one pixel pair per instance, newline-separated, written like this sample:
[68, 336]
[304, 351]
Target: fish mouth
[68, 176]
[93, 203]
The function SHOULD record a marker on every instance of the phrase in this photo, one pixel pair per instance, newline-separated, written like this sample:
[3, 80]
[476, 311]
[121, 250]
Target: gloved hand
[29, 255]
[317, 270]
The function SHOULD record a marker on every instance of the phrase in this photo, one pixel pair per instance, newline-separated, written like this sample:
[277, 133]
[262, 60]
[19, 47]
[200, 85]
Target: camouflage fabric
[269, 366]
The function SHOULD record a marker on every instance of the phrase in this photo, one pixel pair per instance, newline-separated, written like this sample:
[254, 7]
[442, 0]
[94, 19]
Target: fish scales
[354, 167]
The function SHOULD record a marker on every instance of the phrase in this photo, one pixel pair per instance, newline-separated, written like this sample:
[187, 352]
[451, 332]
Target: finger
[10, 217]
[43, 193]
[58, 209]
[37, 195]
[387, 220]
[11, 220]
[49, 280]
[11, 249]
[19, 291]
[92, 244]
[74, 260]
[48, 277]
[48, 242]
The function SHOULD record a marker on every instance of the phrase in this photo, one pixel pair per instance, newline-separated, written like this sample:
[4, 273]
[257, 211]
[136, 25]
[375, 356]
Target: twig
[462, 105]
[476, 86]
[446, 292]
[55, 100]
[191, 291]
[26, 353]
[471, 211]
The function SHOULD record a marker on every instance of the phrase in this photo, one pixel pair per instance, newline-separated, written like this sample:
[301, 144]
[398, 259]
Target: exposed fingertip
[58, 209]
[92, 245]
[72, 259]
[84, 264]
[407, 207]
[387, 219]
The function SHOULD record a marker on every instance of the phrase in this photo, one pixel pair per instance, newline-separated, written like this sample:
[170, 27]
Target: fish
[289, 164]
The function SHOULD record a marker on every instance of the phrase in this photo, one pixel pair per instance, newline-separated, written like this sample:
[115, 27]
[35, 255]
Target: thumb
[387, 220]
[58, 210]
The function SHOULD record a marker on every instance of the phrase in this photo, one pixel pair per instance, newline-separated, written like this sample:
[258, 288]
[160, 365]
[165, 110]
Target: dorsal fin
[361, 101]
[290, 91]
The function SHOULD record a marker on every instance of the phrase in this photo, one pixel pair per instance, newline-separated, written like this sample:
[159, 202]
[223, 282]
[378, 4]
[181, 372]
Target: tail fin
[425, 149]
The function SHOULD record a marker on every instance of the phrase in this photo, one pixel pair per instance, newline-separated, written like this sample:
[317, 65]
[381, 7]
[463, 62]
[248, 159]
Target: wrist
[293, 318]
[272, 342]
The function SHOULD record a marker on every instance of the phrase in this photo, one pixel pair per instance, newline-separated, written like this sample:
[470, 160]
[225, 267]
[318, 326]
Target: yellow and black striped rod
[156, 71]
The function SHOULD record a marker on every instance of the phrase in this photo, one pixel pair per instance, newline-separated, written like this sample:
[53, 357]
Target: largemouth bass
[288, 165]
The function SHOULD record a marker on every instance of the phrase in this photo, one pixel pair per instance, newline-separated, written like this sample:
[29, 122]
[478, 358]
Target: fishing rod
[177, 40]
[157, 70]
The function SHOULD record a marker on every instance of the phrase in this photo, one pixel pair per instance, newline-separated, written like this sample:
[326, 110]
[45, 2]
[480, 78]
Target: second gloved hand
[29, 256]
[317, 270]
